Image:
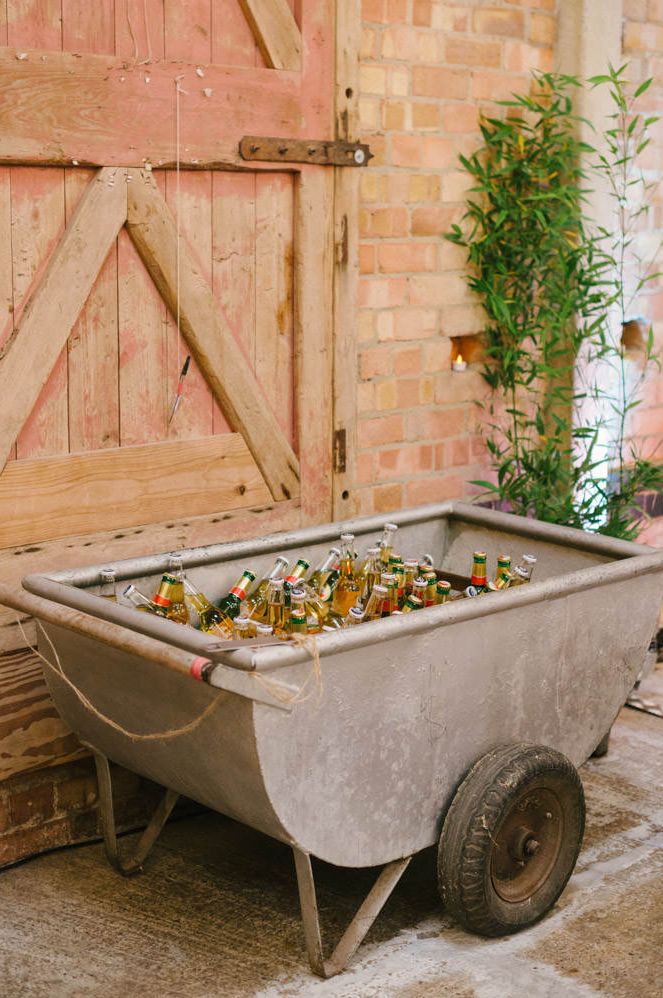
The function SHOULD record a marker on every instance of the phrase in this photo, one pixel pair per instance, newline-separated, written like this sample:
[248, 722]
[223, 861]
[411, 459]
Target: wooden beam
[346, 263]
[218, 354]
[44, 498]
[276, 32]
[97, 110]
[30, 352]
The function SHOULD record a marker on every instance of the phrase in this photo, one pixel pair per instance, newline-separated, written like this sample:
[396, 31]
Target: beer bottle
[232, 601]
[387, 542]
[430, 598]
[419, 588]
[470, 592]
[141, 602]
[375, 602]
[355, 616]
[256, 603]
[299, 571]
[411, 570]
[242, 629]
[164, 598]
[107, 584]
[442, 591]
[523, 571]
[209, 616]
[276, 606]
[320, 574]
[314, 608]
[479, 579]
[327, 591]
[370, 571]
[426, 562]
[264, 630]
[503, 566]
[297, 623]
[411, 603]
[388, 579]
[178, 610]
[348, 588]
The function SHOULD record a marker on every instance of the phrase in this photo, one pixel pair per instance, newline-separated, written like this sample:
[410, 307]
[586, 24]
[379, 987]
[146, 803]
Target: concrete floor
[216, 913]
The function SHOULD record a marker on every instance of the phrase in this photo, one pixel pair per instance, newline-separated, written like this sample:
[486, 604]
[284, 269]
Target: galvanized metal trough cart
[459, 726]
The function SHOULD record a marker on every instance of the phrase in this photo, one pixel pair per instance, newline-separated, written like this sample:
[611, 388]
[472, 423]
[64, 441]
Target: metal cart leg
[356, 931]
[133, 863]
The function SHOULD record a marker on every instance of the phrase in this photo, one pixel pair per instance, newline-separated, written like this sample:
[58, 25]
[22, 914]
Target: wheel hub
[527, 844]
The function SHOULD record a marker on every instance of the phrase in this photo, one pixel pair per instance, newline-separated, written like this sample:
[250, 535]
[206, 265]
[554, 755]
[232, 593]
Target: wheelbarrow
[459, 727]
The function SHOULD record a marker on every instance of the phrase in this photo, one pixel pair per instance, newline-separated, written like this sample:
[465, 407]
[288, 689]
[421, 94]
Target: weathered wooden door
[125, 211]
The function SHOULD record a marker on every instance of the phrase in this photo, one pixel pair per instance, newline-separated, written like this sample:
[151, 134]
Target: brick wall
[428, 68]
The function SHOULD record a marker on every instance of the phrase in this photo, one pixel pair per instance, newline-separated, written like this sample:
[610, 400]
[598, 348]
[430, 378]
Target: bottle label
[238, 591]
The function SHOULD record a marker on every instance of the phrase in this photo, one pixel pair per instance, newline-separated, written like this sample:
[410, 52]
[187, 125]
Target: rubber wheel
[510, 839]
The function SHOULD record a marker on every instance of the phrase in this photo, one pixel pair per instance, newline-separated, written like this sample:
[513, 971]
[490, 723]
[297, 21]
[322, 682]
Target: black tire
[602, 747]
[510, 839]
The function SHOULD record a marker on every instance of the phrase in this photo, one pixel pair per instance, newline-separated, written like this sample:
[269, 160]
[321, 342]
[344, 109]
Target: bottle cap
[391, 527]
[380, 589]
[529, 559]
[264, 630]
[107, 574]
[444, 586]
[242, 621]
[335, 551]
[298, 593]
[283, 561]
[347, 538]
[503, 559]
[276, 583]
[479, 555]
[356, 613]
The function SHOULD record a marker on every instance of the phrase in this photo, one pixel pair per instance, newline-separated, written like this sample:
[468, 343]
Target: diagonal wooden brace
[356, 931]
[133, 863]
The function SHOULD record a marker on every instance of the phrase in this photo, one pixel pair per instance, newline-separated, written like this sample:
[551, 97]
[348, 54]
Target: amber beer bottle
[387, 542]
[355, 616]
[299, 571]
[229, 607]
[348, 588]
[503, 566]
[178, 610]
[276, 606]
[297, 623]
[256, 603]
[375, 602]
[411, 603]
[166, 596]
[209, 616]
[320, 574]
[141, 602]
[442, 591]
[479, 580]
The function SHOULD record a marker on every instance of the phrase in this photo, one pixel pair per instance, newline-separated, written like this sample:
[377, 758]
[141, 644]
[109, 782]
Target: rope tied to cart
[274, 689]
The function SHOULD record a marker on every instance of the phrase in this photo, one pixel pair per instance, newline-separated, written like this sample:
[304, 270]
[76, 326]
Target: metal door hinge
[338, 153]
[340, 451]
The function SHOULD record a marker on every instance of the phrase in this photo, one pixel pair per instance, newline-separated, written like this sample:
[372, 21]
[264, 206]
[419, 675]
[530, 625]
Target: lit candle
[459, 364]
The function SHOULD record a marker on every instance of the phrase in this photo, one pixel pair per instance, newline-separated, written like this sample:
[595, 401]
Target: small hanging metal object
[180, 389]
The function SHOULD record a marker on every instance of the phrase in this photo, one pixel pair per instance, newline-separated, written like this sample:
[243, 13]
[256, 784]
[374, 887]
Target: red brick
[426, 116]
[405, 460]
[383, 430]
[407, 360]
[407, 393]
[473, 53]
[654, 10]
[440, 290]
[396, 11]
[382, 292]
[457, 452]
[436, 424]
[365, 468]
[375, 361]
[414, 324]
[383, 222]
[366, 258]
[406, 257]
[542, 29]
[497, 21]
[497, 86]
[638, 10]
[387, 498]
[422, 13]
[434, 489]
[434, 81]
[435, 220]
[372, 10]
[461, 118]
[419, 150]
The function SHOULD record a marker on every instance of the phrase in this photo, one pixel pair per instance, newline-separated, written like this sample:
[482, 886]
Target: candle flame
[459, 358]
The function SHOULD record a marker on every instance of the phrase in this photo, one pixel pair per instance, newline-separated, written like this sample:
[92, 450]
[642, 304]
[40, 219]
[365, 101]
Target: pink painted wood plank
[6, 262]
[274, 363]
[233, 239]
[233, 43]
[3, 22]
[193, 209]
[35, 24]
[143, 336]
[188, 30]
[111, 111]
[37, 224]
[88, 26]
[139, 30]
[93, 349]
